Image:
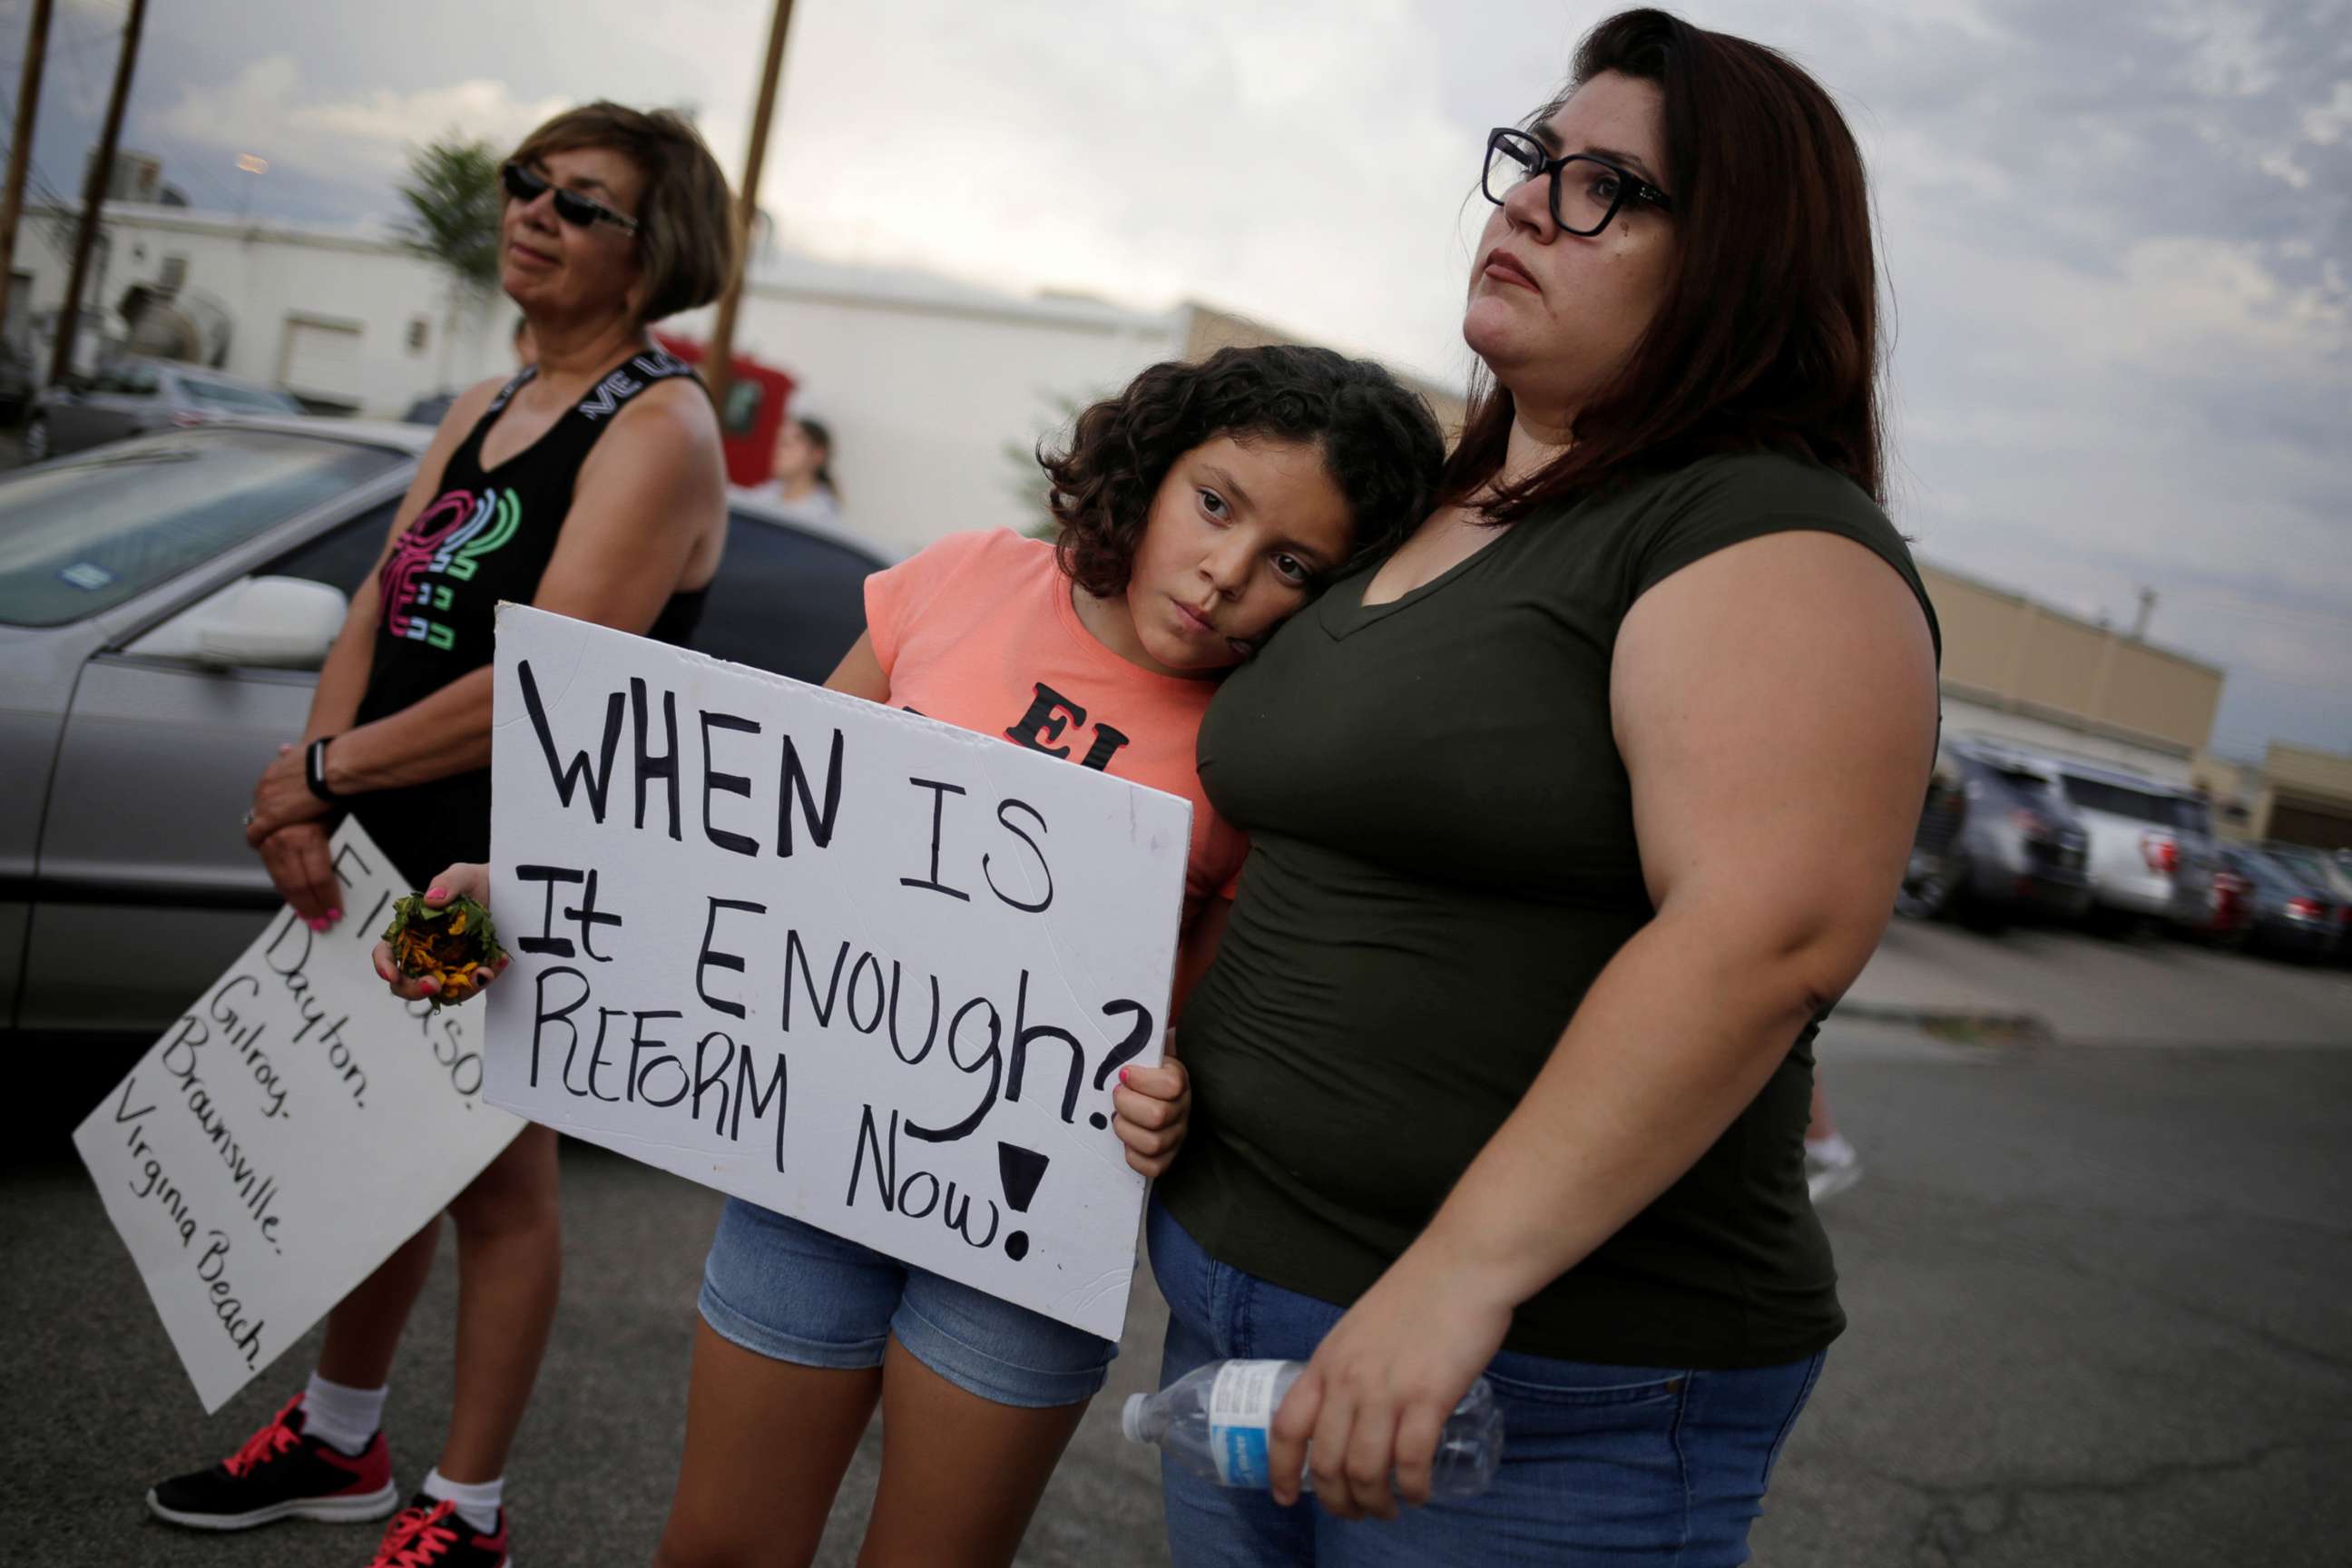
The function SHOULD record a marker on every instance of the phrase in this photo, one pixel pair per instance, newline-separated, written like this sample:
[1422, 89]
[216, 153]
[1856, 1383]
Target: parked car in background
[2291, 915]
[2229, 905]
[131, 395]
[2328, 872]
[2152, 850]
[164, 606]
[430, 409]
[1996, 839]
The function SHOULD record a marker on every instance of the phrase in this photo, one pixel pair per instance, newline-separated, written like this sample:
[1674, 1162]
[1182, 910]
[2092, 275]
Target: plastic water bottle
[1215, 1421]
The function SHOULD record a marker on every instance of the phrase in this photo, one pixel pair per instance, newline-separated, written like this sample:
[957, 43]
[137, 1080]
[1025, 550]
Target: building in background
[936, 389]
[2046, 681]
[2296, 793]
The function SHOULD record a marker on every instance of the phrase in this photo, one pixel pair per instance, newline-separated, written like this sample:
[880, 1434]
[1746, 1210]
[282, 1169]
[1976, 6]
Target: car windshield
[2268, 873]
[230, 398]
[2038, 789]
[2123, 800]
[2305, 863]
[83, 536]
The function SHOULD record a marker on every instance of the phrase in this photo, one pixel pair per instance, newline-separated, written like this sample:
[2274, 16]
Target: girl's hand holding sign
[1150, 1108]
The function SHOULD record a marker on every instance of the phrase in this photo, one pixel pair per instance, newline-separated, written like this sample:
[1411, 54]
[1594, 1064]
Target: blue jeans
[1602, 1464]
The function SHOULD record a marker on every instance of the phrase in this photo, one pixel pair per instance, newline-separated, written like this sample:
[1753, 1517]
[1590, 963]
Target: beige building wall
[2006, 655]
[2308, 799]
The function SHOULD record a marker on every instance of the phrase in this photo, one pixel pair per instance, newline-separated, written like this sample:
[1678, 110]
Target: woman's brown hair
[1766, 339]
[687, 241]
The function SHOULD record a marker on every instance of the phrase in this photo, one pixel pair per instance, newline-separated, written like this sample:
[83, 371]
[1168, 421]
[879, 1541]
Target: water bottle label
[1241, 1410]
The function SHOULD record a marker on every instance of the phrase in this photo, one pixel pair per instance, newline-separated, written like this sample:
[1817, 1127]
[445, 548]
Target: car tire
[37, 438]
[1925, 897]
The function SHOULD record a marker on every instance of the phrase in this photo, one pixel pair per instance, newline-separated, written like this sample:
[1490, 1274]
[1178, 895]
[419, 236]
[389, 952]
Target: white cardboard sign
[841, 960]
[295, 1126]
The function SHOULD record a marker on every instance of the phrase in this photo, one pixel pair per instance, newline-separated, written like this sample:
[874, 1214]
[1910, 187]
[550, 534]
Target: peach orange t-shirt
[977, 631]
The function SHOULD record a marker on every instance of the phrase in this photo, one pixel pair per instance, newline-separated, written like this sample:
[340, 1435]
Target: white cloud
[265, 109]
[2326, 123]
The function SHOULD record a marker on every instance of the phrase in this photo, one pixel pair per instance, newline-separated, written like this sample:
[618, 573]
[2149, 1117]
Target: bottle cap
[1130, 1418]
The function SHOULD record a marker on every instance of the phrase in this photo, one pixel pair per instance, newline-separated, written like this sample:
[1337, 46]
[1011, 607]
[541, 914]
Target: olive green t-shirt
[1442, 861]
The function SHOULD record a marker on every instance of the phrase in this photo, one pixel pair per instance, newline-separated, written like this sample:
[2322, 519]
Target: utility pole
[747, 208]
[20, 150]
[93, 193]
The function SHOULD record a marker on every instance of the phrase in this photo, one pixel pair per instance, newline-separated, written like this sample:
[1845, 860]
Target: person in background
[591, 484]
[1569, 822]
[802, 480]
[1831, 1165]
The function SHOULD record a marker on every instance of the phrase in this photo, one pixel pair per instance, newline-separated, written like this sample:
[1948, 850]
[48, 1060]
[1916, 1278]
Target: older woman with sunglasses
[589, 483]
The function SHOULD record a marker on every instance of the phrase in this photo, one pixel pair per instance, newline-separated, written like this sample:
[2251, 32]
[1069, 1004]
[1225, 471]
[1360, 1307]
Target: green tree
[455, 202]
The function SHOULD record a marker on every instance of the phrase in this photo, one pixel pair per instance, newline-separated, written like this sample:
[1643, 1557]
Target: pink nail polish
[436, 892]
[1122, 1074]
[318, 925]
[334, 915]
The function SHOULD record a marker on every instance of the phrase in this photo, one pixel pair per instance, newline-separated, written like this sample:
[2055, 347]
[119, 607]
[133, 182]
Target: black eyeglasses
[1582, 205]
[525, 186]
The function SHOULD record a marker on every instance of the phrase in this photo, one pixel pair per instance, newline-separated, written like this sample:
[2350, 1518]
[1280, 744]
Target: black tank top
[487, 536]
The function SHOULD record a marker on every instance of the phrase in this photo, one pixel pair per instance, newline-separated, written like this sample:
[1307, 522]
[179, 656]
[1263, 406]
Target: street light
[251, 164]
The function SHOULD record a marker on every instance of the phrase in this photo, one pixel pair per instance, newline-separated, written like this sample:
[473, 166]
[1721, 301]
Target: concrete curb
[1960, 1024]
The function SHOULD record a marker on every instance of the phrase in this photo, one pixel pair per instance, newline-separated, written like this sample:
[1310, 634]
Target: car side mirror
[268, 623]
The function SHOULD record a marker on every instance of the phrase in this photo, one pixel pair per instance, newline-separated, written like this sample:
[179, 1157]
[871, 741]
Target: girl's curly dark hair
[1380, 442]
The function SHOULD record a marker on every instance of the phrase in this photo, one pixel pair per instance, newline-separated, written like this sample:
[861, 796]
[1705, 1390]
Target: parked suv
[1996, 839]
[2152, 850]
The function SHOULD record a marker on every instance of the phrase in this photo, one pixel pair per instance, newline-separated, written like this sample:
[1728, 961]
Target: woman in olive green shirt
[1569, 821]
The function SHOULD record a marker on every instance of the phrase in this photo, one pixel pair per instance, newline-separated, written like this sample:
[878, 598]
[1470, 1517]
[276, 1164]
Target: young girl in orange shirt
[1199, 509]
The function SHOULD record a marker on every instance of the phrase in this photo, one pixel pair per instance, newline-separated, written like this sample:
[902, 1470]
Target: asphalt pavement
[2096, 1286]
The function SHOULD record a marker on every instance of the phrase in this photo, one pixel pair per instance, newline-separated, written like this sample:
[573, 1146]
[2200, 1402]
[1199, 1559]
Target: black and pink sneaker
[281, 1474]
[431, 1534]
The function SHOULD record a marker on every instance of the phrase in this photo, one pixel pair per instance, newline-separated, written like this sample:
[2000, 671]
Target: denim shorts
[792, 1292]
[1603, 1466]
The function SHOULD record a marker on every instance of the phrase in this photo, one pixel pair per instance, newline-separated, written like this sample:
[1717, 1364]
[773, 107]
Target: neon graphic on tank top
[447, 542]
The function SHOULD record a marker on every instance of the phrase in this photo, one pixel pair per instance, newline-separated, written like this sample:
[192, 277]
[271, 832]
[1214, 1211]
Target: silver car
[133, 396]
[2152, 854]
[164, 606]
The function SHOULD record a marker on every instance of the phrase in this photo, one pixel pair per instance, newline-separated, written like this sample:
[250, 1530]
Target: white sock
[1832, 1150]
[477, 1501]
[343, 1418]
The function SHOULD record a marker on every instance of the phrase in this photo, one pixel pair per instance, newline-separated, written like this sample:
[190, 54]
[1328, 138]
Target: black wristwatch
[314, 771]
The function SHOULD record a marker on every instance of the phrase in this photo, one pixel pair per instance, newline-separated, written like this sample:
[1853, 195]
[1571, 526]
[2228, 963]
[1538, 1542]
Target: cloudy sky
[2116, 232]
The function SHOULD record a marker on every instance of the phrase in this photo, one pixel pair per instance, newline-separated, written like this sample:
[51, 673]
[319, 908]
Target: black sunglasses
[1600, 189]
[526, 186]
